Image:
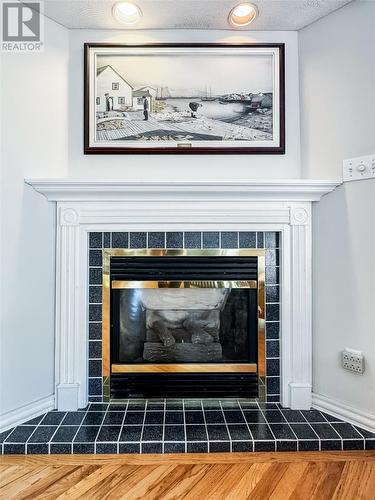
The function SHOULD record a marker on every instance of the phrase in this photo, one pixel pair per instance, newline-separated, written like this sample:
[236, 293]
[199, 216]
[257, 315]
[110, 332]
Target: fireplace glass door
[199, 323]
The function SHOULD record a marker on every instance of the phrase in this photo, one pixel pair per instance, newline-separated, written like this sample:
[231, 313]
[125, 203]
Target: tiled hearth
[188, 240]
[180, 426]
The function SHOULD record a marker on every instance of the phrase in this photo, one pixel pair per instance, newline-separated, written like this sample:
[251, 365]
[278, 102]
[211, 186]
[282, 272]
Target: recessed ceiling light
[126, 12]
[243, 14]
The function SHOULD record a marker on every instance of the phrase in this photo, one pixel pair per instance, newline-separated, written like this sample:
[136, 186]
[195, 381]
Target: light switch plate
[362, 167]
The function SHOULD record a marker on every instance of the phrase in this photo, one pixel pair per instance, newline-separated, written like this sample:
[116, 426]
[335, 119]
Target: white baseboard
[27, 412]
[344, 411]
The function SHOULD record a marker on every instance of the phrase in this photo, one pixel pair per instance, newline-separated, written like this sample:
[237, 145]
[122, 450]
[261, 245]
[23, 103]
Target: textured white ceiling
[190, 14]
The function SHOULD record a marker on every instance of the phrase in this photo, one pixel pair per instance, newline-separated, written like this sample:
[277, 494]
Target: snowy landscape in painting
[184, 97]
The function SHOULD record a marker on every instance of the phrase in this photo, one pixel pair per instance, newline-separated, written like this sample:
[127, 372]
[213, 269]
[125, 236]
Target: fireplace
[183, 323]
[93, 215]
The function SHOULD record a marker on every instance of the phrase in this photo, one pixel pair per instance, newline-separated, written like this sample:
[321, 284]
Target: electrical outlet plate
[362, 167]
[353, 360]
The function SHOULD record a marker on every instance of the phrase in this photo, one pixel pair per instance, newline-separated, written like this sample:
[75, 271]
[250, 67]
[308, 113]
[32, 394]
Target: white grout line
[165, 409]
[100, 427]
[291, 428]
[122, 425]
[349, 439]
[226, 424]
[205, 424]
[309, 424]
[247, 425]
[358, 429]
[268, 425]
[338, 434]
[27, 440]
[57, 428]
[183, 410]
[80, 425]
[143, 428]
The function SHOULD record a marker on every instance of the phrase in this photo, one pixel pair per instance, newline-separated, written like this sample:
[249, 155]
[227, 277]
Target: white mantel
[114, 190]
[105, 205]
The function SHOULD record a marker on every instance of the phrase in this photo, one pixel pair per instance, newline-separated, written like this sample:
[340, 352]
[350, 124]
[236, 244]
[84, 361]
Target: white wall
[344, 293]
[163, 167]
[34, 124]
[337, 82]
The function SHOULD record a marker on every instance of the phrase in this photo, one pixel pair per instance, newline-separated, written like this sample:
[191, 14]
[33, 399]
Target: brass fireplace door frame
[109, 368]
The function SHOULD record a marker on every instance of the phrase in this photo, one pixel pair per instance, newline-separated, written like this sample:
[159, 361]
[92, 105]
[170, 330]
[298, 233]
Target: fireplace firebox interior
[183, 323]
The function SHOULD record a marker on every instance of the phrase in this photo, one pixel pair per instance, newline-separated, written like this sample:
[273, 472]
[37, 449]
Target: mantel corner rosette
[300, 215]
[68, 216]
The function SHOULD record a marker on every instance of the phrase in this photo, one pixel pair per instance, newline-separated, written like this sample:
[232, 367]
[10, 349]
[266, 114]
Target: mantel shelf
[63, 190]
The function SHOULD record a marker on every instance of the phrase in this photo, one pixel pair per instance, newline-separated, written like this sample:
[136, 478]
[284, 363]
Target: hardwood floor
[259, 476]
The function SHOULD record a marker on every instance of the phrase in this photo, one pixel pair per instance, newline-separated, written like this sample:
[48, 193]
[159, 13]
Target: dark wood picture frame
[274, 150]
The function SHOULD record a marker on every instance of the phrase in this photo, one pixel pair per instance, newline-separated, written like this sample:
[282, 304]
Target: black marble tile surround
[183, 426]
[189, 240]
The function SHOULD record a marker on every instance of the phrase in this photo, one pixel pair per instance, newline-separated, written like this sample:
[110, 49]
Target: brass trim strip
[191, 368]
[118, 284]
[207, 252]
[261, 317]
[106, 313]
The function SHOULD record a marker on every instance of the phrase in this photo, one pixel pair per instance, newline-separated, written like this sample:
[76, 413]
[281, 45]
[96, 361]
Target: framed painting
[184, 98]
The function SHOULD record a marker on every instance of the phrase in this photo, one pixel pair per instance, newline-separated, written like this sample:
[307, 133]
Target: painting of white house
[207, 97]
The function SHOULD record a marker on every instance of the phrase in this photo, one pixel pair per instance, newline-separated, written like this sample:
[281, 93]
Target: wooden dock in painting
[190, 129]
[142, 127]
